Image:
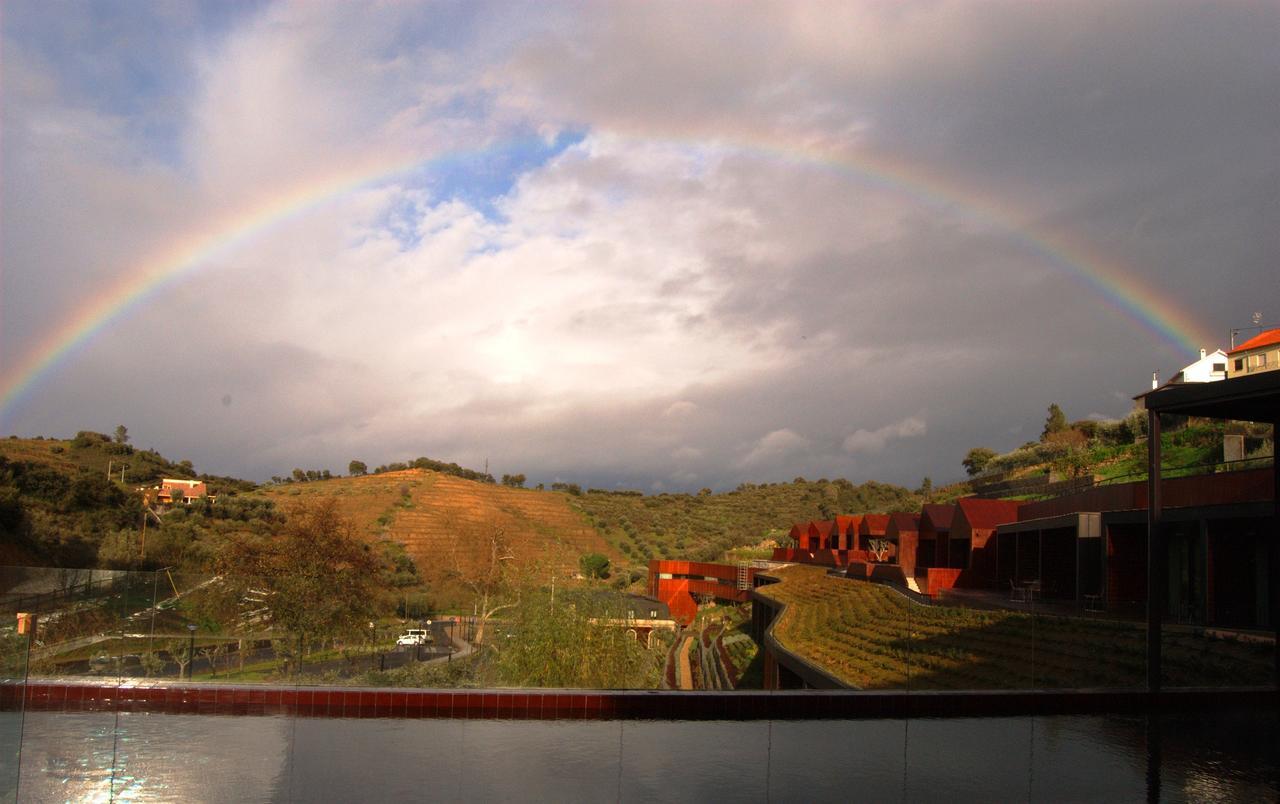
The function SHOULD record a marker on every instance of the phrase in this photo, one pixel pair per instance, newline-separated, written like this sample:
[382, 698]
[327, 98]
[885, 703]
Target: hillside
[59, 508]
[445, 523]
[704, 526]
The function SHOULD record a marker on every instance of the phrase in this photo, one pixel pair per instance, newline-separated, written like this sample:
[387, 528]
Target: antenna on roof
[1257, 324]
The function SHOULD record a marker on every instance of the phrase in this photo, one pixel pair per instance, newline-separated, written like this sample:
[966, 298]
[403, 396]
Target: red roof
[939, 515]
[1270, 337]
[846, 524]
[823, 528]
[873, 524]
[988, 513]
[903, 522]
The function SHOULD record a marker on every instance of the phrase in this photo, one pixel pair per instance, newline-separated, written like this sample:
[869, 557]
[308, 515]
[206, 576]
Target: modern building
[680, 585]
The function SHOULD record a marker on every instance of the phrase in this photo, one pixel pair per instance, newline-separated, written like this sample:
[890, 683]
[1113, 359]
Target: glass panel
[1218, 629]
[15, 642]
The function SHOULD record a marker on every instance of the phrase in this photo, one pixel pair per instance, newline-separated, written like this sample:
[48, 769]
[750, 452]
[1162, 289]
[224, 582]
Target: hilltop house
[172, 491]
[1260, 353]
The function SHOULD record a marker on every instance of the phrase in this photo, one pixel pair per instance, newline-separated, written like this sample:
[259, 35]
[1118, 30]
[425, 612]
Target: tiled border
[531, 704]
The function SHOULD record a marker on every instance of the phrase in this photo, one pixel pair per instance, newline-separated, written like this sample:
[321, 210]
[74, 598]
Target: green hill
[58, 507]
[702, 527]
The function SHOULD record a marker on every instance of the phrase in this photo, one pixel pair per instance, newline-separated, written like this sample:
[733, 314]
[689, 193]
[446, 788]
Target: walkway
[686, 671]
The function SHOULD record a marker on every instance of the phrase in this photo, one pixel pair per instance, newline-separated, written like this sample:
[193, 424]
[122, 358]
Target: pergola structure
[1251, 398]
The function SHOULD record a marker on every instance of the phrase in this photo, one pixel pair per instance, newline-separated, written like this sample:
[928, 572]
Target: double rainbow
[1140, 302]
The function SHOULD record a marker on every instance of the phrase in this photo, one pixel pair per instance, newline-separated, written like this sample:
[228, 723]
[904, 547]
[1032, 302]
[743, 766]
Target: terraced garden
[874, 638]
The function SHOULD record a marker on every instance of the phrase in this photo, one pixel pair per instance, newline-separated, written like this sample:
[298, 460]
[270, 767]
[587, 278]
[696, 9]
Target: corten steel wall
[823, 558]
[872, 526]
[935, 535]
[904, 529]
[1223, 488]
[1126, 562]
[820, 534]
[678, 593]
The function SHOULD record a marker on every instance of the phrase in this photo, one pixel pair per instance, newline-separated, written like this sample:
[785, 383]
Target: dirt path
[686, 672]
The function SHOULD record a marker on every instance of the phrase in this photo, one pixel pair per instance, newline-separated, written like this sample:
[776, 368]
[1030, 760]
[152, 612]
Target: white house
[1209, 368]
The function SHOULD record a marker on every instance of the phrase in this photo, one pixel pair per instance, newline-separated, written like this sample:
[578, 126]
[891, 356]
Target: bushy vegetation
[874, 638]
[58, 507]
[437, 466]
[702, 527]
[1115, 449]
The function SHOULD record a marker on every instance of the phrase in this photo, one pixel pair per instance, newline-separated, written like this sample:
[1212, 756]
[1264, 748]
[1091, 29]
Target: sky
[657, 246]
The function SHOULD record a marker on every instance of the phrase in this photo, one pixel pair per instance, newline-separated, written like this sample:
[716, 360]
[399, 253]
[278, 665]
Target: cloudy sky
[659, 246]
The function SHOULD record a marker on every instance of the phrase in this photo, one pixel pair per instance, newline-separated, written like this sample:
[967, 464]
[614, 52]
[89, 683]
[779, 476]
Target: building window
[664, 576]
[653, 614]
[1239, 364]
[1219, 368]
[1262, 360]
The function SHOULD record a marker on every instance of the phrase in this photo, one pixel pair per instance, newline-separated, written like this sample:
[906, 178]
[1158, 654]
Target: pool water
[197, 758]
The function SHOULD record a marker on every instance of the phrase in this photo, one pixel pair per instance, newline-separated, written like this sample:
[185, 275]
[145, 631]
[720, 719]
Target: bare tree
[491, 579]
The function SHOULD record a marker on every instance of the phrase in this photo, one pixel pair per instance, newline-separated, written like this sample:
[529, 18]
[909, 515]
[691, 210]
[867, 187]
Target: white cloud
[773, 446]
[875, 440]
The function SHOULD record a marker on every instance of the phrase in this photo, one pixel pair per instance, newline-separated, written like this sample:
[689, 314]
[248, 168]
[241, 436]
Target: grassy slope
[444, 522]
[858, 631]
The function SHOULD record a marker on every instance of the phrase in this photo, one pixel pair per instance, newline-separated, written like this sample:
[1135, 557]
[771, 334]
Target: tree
[926, 489]
[491, 579]
[977, 459]
[514, 481]
[1055, 422]
[357, 469]
[122, 434]
[594, 565]
[322, 578]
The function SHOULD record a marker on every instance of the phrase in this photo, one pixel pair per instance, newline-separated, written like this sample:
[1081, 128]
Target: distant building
[1260, 353]
[171, 492]
[1211, 367]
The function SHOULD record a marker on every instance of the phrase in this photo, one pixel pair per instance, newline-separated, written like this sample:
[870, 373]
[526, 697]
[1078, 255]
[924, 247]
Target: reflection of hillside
[874, 638]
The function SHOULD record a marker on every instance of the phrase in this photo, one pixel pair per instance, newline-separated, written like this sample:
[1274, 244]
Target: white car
[413, 637]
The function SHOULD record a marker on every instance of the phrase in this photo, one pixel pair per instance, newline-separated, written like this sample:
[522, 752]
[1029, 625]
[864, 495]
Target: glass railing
[93, 630]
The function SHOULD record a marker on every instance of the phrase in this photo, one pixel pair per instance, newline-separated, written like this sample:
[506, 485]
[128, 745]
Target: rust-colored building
[676, 582]
[970, 544]
[935, 531]
[903, 531]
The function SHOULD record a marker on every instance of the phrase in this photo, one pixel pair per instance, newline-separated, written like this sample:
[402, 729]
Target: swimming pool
[140, 756]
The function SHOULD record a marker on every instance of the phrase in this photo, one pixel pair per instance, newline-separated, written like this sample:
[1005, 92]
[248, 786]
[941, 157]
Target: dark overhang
[1252, 398]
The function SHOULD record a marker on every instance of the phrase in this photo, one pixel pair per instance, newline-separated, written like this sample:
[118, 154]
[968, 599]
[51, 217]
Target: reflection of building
[1260, 353]
[171, 491]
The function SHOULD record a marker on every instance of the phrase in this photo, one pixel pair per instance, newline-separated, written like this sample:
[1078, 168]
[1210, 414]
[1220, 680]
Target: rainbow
[1141, 303]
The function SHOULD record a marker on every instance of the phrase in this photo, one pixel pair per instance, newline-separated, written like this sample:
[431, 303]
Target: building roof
[1270, 337]
[1251, 398]
[873, 524]
[900, 522]
[823, 527]
[981, 513]
[846, 524]
[939, 515]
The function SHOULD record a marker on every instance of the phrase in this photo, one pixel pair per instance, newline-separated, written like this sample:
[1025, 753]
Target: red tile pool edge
[529, 704]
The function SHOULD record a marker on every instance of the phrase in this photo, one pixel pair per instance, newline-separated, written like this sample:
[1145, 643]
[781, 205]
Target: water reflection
[159, 757]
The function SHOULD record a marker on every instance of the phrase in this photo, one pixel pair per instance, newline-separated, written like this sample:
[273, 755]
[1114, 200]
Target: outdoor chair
[1017, 594]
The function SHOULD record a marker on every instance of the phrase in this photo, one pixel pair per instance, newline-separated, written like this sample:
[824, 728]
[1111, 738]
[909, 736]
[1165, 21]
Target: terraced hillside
[444, 522]
[873, 638]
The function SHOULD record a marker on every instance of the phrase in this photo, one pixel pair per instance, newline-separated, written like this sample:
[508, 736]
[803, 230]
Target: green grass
[873, 638]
